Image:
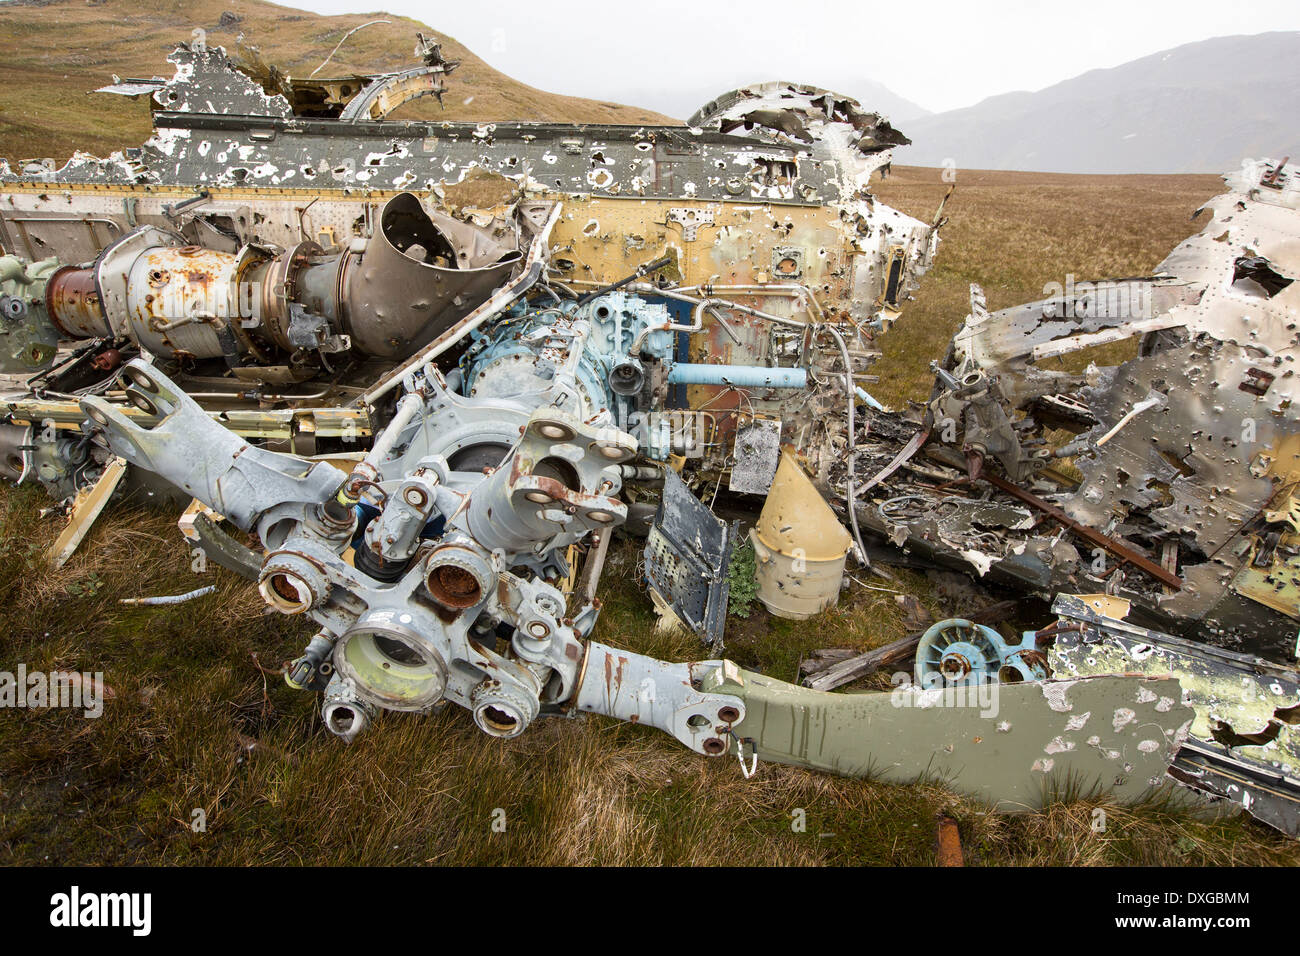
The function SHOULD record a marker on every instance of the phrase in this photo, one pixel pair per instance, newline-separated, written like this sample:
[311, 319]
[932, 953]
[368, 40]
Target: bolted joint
[502, 711]
[291, 584]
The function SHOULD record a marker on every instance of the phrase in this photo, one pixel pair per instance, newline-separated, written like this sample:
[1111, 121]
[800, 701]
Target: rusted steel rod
[1121, 551]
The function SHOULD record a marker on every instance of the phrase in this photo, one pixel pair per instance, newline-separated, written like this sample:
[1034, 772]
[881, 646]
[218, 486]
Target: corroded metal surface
[1242, 745]
[523, 331]
[763, 202]
[1178, 467]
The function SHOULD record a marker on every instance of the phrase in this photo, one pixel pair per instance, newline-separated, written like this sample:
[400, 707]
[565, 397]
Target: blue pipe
[742, 376]
[863, 394]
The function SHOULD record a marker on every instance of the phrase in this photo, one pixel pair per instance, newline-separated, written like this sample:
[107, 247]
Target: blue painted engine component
[605, 359]
[522, 352]
[958, 652]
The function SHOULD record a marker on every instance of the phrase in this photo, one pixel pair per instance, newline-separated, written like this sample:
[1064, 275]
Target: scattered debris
[1241, 747]
[837, 674]
[1171, 473]
[172, 598]
[414, 375]
[824, 657]
[915, 617]
[87, 506]
[687, 556]
[947, 842]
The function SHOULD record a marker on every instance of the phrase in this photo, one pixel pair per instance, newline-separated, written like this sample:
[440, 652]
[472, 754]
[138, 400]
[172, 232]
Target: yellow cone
[799, 545]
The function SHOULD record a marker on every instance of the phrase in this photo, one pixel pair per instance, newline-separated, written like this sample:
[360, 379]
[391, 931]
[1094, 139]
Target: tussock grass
[200, 720]
[197, 723]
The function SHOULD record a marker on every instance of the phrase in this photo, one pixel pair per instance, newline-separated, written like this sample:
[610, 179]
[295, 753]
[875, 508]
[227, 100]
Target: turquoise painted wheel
[956, 652]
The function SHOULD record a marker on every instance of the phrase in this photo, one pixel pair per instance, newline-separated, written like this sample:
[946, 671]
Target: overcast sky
[674, 55]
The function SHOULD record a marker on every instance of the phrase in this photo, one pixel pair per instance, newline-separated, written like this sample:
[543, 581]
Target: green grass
[196, 723]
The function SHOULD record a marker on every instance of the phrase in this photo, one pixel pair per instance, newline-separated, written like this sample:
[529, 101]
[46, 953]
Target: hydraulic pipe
[741, 376]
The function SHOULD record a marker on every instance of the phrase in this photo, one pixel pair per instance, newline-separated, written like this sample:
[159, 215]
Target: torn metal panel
[1242, 745]
[207, 81]
[133, 88]
[782, 112]
[211, 114]
[1017, 748]
[382, 95]
[977, 531]
[686, 559]
[1177, 466]
[757, 453]
[86, 508]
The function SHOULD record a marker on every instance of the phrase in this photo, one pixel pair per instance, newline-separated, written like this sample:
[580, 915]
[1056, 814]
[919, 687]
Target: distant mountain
[881, 99]
[1197, 108]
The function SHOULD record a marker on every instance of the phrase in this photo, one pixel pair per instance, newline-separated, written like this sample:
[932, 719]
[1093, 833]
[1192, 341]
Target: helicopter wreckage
[414, 374]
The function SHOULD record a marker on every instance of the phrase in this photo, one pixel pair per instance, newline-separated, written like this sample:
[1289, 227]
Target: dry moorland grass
[196, 722]
[1013, 233]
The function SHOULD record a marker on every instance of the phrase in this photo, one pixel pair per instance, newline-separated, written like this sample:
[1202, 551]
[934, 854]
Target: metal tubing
[646, 289]
[740, 376]
[852, 447]
[697, 323]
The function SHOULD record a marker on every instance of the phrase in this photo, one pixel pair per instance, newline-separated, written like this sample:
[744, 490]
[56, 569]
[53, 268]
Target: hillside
[54, 52]
[1201, 107]
[877, 97]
